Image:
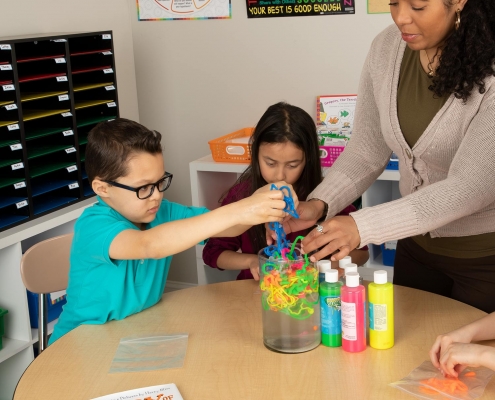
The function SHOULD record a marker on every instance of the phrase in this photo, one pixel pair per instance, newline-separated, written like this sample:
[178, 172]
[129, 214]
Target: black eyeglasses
[145, 191]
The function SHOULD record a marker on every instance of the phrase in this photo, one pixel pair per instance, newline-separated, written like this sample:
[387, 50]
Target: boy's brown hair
[112, 143]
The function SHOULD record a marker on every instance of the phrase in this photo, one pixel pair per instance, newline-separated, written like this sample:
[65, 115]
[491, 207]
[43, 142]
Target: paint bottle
[350, 268]
[353, 297]
[323, 266]
[331, 324]
[346, 260]
[381, 311]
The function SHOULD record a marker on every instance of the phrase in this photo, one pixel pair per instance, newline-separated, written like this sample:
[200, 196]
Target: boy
[122, 246]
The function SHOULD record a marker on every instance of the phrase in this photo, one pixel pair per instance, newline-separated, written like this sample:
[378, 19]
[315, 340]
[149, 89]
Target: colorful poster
[159, 10]
[378, 6]
[297, 8]
[335, 114]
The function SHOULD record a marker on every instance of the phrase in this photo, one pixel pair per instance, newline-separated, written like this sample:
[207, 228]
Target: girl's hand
[340, 234]
[254, 267]
[443, 342]
[457, 356]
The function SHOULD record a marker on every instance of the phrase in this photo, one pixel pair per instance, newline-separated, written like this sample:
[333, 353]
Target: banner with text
[297, 8]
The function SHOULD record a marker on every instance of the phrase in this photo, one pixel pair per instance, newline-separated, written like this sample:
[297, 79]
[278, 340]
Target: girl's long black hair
[281, 123]
[468, 55]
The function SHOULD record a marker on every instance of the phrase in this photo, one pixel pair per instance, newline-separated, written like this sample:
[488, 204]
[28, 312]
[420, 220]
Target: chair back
[45, 266]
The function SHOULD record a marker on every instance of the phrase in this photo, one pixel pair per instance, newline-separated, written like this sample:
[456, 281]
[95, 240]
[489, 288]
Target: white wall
[198, 80]
[32, 17]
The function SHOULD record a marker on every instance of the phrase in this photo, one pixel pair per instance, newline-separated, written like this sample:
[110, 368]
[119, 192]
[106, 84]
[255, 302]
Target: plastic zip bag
[146, 353]
[427, 382]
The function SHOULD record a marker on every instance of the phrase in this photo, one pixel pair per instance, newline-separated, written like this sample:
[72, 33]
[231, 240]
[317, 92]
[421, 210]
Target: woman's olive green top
[416, 107]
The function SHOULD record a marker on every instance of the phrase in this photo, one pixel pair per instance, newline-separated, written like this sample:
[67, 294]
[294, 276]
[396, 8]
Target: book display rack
[53, 90]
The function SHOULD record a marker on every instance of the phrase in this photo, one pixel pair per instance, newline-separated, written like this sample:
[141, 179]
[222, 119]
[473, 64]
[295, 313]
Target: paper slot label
[19, 185]
[6, 88]
[63, 97]
[21, 204]
[106, 36]
[17, 166]
[5, 47]
[72, 168]
[74, 185]
[106, 53]
[111, 87]
[66, 114]
[61, 78]
[17, 146]
[13, 127]
[59, 40]
[70, 150]
[68, 133]
[60, 60]
[6, 67]
[112, 104]
[11, 107]
[108, 71]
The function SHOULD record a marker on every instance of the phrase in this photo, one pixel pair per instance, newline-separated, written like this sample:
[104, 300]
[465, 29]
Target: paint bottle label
[349, 321]
[378, 317]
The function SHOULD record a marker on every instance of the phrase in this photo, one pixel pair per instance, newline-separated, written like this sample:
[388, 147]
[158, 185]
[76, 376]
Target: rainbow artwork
[170, 10]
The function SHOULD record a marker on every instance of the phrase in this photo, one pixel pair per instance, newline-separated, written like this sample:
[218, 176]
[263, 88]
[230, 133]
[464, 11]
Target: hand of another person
[279, 184]
[340, 236]
[308, 215]
[443, 342]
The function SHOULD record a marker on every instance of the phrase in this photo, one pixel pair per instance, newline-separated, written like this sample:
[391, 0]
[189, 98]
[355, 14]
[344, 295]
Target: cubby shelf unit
[53, 90]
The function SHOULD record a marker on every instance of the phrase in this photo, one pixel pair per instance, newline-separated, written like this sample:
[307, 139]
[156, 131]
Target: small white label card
[20, 185]
[63, 97]
[112, 104]
[18, 165]
[5, 47]
[70, 150]
[61, 78]
[110, 87]
[6, 67]
[21, 204]
[66, 114]
[6, 88]
[60, 60]
[59, 40]
[108, 71]
[106, 53]
[70, 132]
[17, 146]
[106, 36]
[74, 185]
[72, 168]
[13, 127]
[11, 107]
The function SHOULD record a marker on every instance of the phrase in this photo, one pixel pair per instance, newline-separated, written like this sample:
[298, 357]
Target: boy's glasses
[145, 191]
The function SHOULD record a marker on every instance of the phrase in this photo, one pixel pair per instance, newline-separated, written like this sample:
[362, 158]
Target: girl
[284, 146]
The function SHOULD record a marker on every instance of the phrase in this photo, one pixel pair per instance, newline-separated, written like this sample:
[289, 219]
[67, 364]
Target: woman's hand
[340, 234]
[455, 357]
[444, 342]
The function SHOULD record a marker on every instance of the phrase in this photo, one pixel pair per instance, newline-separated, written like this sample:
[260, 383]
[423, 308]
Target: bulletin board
[378, 6]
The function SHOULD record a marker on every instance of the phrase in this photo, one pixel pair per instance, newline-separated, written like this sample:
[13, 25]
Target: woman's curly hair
[469, 52]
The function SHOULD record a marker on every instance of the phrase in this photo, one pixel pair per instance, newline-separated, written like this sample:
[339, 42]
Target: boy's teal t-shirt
[101, 289]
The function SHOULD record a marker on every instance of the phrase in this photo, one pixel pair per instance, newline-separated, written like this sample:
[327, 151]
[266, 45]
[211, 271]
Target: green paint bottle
[331, 325]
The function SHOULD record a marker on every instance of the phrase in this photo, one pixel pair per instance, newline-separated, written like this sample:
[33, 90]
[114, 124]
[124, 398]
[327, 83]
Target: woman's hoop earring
[457, 19]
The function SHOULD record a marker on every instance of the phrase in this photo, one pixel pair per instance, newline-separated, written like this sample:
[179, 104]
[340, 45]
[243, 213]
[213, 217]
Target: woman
[427, 93]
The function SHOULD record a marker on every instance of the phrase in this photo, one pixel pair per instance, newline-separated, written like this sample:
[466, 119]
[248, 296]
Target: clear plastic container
[290, 303]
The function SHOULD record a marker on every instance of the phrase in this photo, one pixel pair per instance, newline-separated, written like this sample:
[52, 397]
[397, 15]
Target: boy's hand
[285, 193]
[261, 207]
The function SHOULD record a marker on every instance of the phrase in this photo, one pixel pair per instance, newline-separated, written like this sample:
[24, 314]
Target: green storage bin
[2, 325]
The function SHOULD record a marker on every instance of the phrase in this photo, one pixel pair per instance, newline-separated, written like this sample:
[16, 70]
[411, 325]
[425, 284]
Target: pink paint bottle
[353, 299]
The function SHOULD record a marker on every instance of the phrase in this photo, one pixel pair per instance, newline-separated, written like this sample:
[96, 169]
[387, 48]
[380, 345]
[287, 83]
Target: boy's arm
[176, 236]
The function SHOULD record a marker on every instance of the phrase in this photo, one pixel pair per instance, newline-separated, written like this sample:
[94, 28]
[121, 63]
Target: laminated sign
[297, 8]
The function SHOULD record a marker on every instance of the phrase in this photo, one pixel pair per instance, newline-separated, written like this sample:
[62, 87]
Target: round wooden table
[226, 358]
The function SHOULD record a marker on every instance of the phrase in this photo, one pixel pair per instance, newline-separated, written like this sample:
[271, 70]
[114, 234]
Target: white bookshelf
[17, 350]
[209, 179]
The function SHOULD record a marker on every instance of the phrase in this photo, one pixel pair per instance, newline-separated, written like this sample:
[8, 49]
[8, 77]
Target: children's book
[161, 392]
[335, 114]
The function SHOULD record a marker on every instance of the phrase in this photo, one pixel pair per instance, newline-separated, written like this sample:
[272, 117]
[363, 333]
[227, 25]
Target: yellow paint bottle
[381, 311]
